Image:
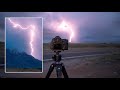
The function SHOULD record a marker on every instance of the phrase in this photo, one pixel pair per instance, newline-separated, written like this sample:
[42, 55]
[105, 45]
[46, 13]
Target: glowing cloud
[65, 27]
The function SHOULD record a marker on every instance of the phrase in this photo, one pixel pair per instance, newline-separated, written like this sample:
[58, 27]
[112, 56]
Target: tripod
[60, 68]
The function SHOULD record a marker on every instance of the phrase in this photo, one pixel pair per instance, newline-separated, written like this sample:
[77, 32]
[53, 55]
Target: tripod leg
[59, 70]
[64, 71]
[50, 70]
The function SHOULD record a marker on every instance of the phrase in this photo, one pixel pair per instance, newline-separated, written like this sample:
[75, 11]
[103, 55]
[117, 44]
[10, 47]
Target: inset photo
[24, 44]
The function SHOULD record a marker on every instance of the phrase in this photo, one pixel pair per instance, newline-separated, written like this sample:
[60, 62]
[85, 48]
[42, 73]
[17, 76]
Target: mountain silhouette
[15, 59]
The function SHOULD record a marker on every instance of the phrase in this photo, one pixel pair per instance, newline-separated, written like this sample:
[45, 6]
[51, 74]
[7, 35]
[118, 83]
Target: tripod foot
[50, 70]
[64, 71]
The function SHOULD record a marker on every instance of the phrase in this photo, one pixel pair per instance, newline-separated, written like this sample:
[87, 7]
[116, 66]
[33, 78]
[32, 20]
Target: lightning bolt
[32, 33]
[71, 35]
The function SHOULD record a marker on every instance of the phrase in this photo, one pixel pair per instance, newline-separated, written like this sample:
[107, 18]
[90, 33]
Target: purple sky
[101, 27]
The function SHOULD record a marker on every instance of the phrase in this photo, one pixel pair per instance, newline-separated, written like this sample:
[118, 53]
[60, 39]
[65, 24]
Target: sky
[26, 39]
[82, 27]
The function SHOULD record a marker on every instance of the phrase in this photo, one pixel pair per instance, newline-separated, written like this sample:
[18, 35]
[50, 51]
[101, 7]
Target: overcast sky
[87, 26]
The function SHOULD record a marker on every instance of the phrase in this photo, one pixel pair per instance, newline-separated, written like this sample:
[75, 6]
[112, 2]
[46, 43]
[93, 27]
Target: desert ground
[81, 61]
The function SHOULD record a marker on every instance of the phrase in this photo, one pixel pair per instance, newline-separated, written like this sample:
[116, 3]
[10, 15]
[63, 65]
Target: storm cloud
[89, 26]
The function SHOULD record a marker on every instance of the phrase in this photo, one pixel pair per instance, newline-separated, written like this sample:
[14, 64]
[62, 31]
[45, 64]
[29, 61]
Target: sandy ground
[90, 67]
[105, 66]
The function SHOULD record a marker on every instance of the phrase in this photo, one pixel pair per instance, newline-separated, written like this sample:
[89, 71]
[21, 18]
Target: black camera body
[58, 44]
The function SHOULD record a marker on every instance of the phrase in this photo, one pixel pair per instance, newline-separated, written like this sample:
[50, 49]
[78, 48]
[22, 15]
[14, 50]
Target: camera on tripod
[58, 44]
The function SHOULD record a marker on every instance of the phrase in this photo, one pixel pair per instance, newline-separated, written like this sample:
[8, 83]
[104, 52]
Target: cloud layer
[88, 26]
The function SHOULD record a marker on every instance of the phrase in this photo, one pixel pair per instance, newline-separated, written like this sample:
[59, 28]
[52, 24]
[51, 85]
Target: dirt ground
[106, 66]
[102, 66]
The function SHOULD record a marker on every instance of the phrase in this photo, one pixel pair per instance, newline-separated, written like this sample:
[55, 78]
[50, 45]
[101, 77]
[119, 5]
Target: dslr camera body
[58, 44]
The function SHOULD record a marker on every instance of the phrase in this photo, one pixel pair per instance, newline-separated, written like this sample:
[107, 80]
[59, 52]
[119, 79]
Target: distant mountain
[15, 59]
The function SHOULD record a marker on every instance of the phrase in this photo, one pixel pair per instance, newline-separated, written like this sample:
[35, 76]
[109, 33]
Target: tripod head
[57, 57]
